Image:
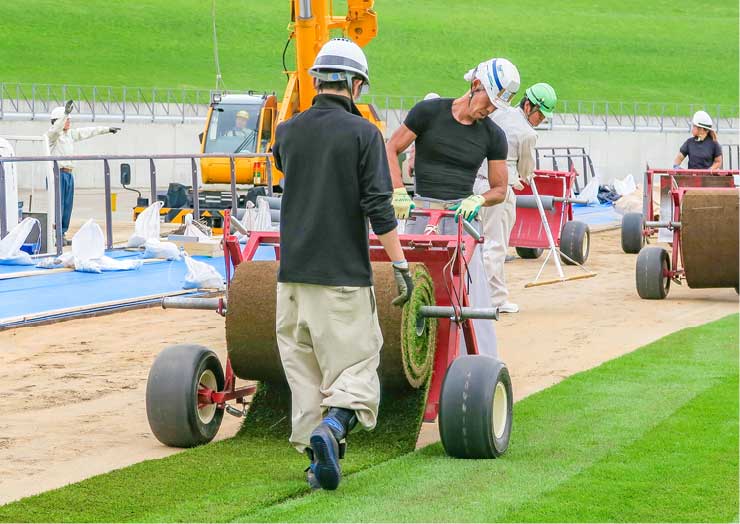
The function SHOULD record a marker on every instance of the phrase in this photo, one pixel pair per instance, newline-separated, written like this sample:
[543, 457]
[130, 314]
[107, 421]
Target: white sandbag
[155, 249]
[10, 246]
[191, 230]
[590, 192]
[625, 186]
[146, 226]
[631, 203]
[201, 275]
[114, 264]
[89, 242]
[263, 220]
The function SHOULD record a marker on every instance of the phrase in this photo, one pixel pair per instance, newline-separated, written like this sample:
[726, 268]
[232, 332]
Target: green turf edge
[684, 470]
[557, 434]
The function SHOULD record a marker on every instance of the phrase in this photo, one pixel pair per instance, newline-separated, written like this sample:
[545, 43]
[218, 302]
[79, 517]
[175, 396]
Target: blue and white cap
[499, 77]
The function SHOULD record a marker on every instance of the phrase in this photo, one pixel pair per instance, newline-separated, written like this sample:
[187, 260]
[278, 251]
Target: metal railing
[572, 155]
[35, 101]
[58, 237]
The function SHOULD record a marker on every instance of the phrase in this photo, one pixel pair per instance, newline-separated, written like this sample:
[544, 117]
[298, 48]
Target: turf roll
[406, 358]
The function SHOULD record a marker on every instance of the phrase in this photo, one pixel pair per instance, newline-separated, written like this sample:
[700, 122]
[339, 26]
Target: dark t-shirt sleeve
[685, 148]
[418, 118]
[498, 147]
[375, 186]
[717, 150]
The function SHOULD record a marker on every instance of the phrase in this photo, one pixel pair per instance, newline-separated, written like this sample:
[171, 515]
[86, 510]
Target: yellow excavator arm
[311, 24]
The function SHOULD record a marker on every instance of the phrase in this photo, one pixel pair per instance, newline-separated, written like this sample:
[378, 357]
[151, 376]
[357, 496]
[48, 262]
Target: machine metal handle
[207, 304]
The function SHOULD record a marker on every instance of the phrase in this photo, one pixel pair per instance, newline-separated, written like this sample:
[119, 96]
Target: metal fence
[105, 159]
[35, 101]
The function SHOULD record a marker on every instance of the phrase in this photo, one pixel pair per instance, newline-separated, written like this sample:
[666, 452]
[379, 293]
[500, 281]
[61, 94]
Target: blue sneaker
[325, 468]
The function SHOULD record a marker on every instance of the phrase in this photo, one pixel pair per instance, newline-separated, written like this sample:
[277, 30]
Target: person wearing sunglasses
[518, 123]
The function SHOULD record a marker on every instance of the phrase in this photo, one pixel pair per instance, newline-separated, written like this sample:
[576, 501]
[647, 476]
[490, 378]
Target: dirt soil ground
[73, 404]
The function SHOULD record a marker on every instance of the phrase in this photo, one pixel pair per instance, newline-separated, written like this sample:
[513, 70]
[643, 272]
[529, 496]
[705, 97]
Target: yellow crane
[311, 26]
[246, 122]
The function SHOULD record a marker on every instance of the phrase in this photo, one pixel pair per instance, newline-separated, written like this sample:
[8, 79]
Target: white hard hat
[702, 119]
[431, 96]
[340, 59]
[57, 113]
[499, 77]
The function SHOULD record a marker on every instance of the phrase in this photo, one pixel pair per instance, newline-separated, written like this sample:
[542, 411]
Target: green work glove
[469, 207]
[403, 281]
[402, 203]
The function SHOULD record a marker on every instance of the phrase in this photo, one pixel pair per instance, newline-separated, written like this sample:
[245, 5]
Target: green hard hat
[542, 95]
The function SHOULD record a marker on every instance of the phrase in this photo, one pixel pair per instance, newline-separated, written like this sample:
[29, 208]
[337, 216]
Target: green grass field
[651, 436]
[630, 51]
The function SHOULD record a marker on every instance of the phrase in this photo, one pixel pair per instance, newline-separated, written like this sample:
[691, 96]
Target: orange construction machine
[245, 123]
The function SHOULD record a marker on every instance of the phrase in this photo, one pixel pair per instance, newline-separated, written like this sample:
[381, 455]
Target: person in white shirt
[498, 220]
[61, 138]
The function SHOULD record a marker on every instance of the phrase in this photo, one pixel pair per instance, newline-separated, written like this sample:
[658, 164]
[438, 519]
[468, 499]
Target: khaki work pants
[498, 221]
[329, 341]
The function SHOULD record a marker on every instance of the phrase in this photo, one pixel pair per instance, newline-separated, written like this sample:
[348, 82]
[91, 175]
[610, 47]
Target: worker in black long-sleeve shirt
[336, 177]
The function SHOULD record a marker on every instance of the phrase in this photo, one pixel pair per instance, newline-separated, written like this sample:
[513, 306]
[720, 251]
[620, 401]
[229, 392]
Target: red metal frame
[676, 271]
[647, 195]
[447, 258]
[528, 230]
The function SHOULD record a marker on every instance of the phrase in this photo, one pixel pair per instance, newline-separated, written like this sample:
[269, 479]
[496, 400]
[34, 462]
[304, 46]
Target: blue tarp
[597, 215]
[43, 293]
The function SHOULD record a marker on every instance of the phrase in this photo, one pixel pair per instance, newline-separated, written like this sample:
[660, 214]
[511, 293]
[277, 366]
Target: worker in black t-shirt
[703, 148]
[453, 137]
[328, 335]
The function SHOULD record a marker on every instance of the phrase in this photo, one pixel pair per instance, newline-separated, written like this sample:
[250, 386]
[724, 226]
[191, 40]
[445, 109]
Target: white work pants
[329, 341]
[498, 221]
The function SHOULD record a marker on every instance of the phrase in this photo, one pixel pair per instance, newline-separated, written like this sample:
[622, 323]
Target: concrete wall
[614, 153]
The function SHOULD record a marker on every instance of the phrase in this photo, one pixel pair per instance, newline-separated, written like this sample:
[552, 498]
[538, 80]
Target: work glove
[114, 130]
[676, 166]
[518, 185]
[402, 203]
[403, 281]
[69, 106]
[469, 207]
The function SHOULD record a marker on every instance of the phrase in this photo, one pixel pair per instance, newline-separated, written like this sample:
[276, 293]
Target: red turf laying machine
[188, 391]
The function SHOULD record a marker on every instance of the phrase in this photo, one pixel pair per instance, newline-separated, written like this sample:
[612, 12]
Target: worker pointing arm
[61, 138]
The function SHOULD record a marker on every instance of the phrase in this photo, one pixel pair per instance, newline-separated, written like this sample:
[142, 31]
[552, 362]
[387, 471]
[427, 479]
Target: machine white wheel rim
[207, 412]
[585, 246]
[500, 409]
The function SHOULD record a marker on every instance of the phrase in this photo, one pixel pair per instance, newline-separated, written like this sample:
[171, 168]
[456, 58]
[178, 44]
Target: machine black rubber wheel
[475, 408]
[172, 396]
[529, 252]
[632, 229]
[651, 273]
[575, 242]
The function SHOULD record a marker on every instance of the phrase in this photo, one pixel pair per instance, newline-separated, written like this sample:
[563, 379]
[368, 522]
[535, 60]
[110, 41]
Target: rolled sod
[258, 467]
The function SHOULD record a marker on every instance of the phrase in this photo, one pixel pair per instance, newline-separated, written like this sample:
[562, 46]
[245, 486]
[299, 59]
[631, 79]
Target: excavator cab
[238, 124]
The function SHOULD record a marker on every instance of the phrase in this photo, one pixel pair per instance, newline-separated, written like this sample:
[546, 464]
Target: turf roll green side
[258, 467]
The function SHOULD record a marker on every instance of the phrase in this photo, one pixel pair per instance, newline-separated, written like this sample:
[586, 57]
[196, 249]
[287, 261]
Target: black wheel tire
[632, 233]
[575, 242]
[529, 252]
[172, 396]
[475, 409]
[650, 273]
